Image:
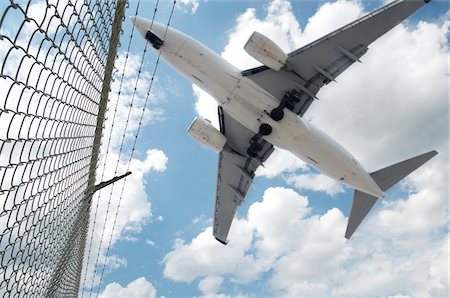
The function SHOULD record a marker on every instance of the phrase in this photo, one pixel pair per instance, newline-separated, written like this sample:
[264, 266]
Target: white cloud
[427, 203]
[280, 161]
[134, 213]
[186, 5]
[280, 25]
[156, 160]
[150, 242]
[206, 106]
[331, 16]
[115, 262]
[307, 254]
[316, 182]
[210, 284]
[384, 110]
[139, 288]
[199, 258]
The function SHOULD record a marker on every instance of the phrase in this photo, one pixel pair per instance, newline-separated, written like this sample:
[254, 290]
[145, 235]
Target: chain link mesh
[53, 63]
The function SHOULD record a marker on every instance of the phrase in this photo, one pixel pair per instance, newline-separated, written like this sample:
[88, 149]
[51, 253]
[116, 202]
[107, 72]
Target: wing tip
[221, 241]
[348, 235]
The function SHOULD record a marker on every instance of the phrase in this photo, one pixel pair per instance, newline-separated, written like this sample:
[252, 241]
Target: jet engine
[206, 134]
[265, 51]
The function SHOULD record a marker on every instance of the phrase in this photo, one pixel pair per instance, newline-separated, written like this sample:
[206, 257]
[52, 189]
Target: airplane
[263, 107]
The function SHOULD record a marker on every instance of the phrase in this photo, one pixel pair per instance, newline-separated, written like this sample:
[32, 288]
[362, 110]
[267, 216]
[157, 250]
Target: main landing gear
[255, 142]
[290, 100]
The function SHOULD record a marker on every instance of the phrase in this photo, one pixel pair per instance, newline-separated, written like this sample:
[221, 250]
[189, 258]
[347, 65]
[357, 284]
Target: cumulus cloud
[199, 258]
[316, 182]
[139, 288]
[188, 5]
[113, 224]
[210, 284]
[384, 110]
[280, 161]
[306, 254]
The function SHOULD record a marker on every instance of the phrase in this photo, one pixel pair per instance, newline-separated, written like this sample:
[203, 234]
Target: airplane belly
[206, 69]
[250, 105]
[326, 155]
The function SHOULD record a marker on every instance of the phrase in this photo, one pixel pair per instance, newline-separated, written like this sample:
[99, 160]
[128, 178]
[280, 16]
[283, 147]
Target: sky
[287, 239]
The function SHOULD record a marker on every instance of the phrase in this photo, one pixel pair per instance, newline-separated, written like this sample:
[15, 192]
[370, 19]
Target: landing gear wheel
[251, 153]
[277, 114]
[265, 129]
[255, 147]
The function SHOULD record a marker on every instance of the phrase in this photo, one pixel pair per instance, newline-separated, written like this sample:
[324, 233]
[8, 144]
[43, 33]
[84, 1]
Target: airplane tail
[385, 178]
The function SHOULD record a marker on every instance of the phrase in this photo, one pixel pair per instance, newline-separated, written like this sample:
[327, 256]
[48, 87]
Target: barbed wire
[95, 212]
[137, 132]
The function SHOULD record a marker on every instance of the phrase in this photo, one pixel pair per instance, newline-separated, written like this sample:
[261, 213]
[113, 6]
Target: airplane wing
[235, 172]
[320, 62]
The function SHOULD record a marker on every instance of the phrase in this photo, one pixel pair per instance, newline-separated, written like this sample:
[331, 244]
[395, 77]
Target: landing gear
[154, 40]
[277, 114]
[290, 100]
[265, 129]
[253, 150]
[255, 144]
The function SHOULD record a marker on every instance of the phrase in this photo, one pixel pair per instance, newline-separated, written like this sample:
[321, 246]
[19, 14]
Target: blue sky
[289, 236]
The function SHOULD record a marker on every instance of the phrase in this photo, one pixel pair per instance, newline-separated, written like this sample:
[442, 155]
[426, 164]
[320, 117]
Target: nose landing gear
[154, 40]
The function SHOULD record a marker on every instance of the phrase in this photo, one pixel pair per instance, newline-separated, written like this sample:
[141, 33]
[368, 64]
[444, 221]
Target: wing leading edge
[235, 172]
[320, 62]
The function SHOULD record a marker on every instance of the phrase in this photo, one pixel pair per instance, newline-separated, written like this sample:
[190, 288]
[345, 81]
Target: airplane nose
[151, 31]
[138, 24]
[132, 19]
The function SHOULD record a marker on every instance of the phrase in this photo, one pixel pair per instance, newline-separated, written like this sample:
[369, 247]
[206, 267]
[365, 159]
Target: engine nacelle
[266, 51]
[206, 134]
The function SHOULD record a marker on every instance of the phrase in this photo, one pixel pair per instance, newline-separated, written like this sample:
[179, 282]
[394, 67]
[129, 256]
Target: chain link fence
[56, 60]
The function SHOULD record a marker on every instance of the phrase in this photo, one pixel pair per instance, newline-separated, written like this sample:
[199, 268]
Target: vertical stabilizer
[385, 178]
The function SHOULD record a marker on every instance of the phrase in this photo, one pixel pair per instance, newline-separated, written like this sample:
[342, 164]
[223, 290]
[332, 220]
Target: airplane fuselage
[249, 104]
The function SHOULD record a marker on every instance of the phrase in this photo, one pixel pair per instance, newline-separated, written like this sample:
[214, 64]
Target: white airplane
[263, 107]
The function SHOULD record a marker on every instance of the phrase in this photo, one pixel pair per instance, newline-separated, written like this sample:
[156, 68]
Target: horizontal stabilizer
[389, 176]
[362, 203]
[385, 178]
